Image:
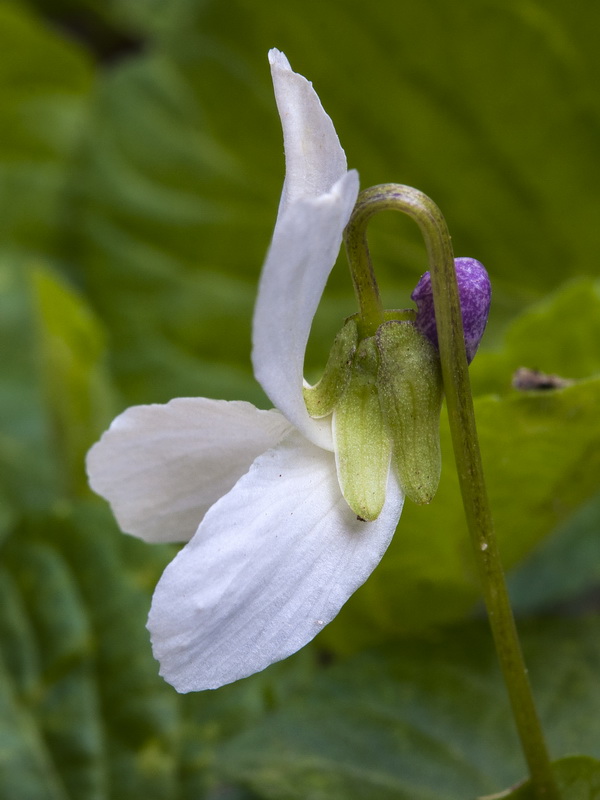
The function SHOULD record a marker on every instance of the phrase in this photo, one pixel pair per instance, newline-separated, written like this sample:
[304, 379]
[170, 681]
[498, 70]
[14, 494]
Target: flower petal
[314, 158]
[161, 467]
[305, 245]
[317, 200]
[271, 564]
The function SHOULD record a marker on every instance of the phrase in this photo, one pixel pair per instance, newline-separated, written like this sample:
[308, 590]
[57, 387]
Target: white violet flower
[273, 550]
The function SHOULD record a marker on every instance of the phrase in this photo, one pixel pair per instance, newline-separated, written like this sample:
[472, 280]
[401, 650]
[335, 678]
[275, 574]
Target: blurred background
[141, 163]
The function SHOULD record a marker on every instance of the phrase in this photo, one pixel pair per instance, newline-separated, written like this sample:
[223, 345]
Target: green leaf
[557, 336]
[72, 362]
[83, 711]
[44, 82]
[153, 184]
[181, 172]
[540, 452]
[172, 178]
[423, 720]
[28, 475]
[541, 458]
[566, 569]
[87, 715]
[577, 778]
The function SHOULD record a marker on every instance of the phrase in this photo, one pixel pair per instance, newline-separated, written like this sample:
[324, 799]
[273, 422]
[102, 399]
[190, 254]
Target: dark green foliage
[140, 171]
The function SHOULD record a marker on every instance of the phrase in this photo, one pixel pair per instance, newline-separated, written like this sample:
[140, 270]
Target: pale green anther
[410, 395]
[321, 398]
[362, 446]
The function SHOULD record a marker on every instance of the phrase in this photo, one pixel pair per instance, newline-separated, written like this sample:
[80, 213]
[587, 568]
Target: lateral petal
[271, 564]
[161, 467]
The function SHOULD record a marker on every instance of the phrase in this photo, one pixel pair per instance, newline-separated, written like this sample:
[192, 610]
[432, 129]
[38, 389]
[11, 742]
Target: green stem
[363, 277]
[468, 459]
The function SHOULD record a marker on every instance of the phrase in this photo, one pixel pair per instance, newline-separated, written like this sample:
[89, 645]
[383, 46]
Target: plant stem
[363, 277]
[468, 459]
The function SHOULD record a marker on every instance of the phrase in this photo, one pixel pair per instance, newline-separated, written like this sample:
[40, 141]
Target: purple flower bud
[475, 293]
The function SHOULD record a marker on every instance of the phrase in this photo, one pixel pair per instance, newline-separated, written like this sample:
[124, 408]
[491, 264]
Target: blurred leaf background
[140, 168]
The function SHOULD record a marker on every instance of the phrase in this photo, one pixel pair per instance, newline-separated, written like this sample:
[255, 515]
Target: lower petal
[271, 564]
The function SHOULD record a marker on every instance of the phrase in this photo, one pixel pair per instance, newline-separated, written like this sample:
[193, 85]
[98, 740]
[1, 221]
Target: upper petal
[161, 467]
[317, 200]
[271, 564]
[314, 159]
[305, 245]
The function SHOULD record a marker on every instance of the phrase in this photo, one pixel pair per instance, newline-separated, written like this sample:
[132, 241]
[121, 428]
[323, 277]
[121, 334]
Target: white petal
[271, 564]
[314, 159]
[161, 467]
[305, 245]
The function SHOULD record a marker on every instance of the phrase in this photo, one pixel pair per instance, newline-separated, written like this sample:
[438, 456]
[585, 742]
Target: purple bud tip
[475, 293]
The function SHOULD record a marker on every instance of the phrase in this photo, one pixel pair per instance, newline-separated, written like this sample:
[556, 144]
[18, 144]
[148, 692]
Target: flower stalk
[371, 314]
[464, 439]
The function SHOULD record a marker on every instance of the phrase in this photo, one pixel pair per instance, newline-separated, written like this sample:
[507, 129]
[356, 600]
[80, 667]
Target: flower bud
[474, 290]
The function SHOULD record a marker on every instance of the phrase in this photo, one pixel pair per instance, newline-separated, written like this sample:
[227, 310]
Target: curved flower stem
[363, 276]
[466, 452]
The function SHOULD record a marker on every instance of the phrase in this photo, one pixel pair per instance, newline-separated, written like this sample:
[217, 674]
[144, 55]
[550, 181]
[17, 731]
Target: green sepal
[362, 446]
[410, 395]
[321, 398]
